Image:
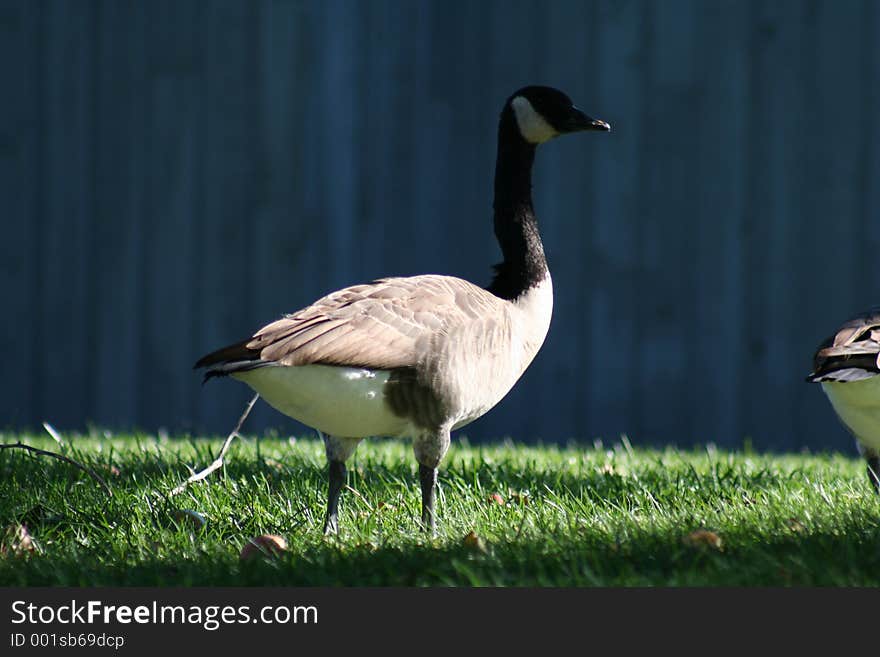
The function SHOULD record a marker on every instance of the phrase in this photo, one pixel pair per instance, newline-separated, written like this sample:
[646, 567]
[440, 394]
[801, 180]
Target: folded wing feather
[855, 346]
[382, 325]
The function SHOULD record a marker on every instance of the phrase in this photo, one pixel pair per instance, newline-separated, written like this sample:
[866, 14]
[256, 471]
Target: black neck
[516, 227]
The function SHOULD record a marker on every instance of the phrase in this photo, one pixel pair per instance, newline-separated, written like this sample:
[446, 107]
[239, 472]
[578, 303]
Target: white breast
[857, 403]
[340, 401]
[480, 383]
[533, 311]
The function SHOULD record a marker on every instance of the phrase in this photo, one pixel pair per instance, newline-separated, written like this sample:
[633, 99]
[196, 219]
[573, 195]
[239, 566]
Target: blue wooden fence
[175, 174]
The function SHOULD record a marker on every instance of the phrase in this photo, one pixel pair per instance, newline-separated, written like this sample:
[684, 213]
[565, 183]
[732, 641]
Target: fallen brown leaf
[265, 545]
[474, 542]
[704, 538]
[17, 542]
[796, 525]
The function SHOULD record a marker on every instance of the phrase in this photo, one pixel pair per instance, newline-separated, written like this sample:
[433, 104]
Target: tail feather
[234, 358]
[234, 352]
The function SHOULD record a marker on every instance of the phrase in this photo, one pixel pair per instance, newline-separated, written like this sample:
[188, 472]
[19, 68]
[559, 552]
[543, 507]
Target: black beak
[578, 121]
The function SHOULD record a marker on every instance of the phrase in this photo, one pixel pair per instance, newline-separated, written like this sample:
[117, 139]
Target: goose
[418, 357]
[847, 364]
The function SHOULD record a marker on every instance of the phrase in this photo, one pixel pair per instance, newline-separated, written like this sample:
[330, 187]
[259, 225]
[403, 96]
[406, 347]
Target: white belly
[857, 403]
[340, 401]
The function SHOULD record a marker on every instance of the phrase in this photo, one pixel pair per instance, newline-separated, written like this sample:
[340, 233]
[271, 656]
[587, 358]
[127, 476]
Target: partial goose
[847, 364]
[418, 357]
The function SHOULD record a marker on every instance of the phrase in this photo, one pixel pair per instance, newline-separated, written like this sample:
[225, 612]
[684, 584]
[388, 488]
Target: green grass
[573, 516]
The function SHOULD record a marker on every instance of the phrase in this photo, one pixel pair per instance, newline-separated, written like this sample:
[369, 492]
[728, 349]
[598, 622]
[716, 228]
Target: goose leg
[428, 481]
[429, 450]
[339, 450]
[874, 471]
[337, 474]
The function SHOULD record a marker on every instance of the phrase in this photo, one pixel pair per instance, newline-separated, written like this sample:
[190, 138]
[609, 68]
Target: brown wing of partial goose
[379, 325]
[851, 354]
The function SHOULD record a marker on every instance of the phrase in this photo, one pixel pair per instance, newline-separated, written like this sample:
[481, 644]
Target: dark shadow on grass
[848, 558]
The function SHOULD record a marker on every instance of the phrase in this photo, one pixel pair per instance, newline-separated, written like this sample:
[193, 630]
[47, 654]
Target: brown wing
[380, 325]
[852, 353]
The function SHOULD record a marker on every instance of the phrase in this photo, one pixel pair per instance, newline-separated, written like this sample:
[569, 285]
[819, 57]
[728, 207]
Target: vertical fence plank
[563, 190]
[119, 174]
[226, 196]
[281, 236]
[609, 371]
[436, 208]
[824, 279]
[170, 207]
[715, 363]
[868, 238]
[67, 202]
[667, 213]
[20, 41]
[375, 138]
[522, 413]
[776, 177]
[335, 154]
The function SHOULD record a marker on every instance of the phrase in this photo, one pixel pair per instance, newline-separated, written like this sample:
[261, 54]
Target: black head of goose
[847, 365]
[419, 356]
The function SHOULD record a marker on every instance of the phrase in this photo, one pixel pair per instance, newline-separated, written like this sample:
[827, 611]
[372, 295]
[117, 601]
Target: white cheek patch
[532, 126]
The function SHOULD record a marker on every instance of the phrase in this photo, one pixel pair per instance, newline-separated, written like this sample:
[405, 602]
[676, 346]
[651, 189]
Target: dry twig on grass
[42, 452]
[218, 462]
